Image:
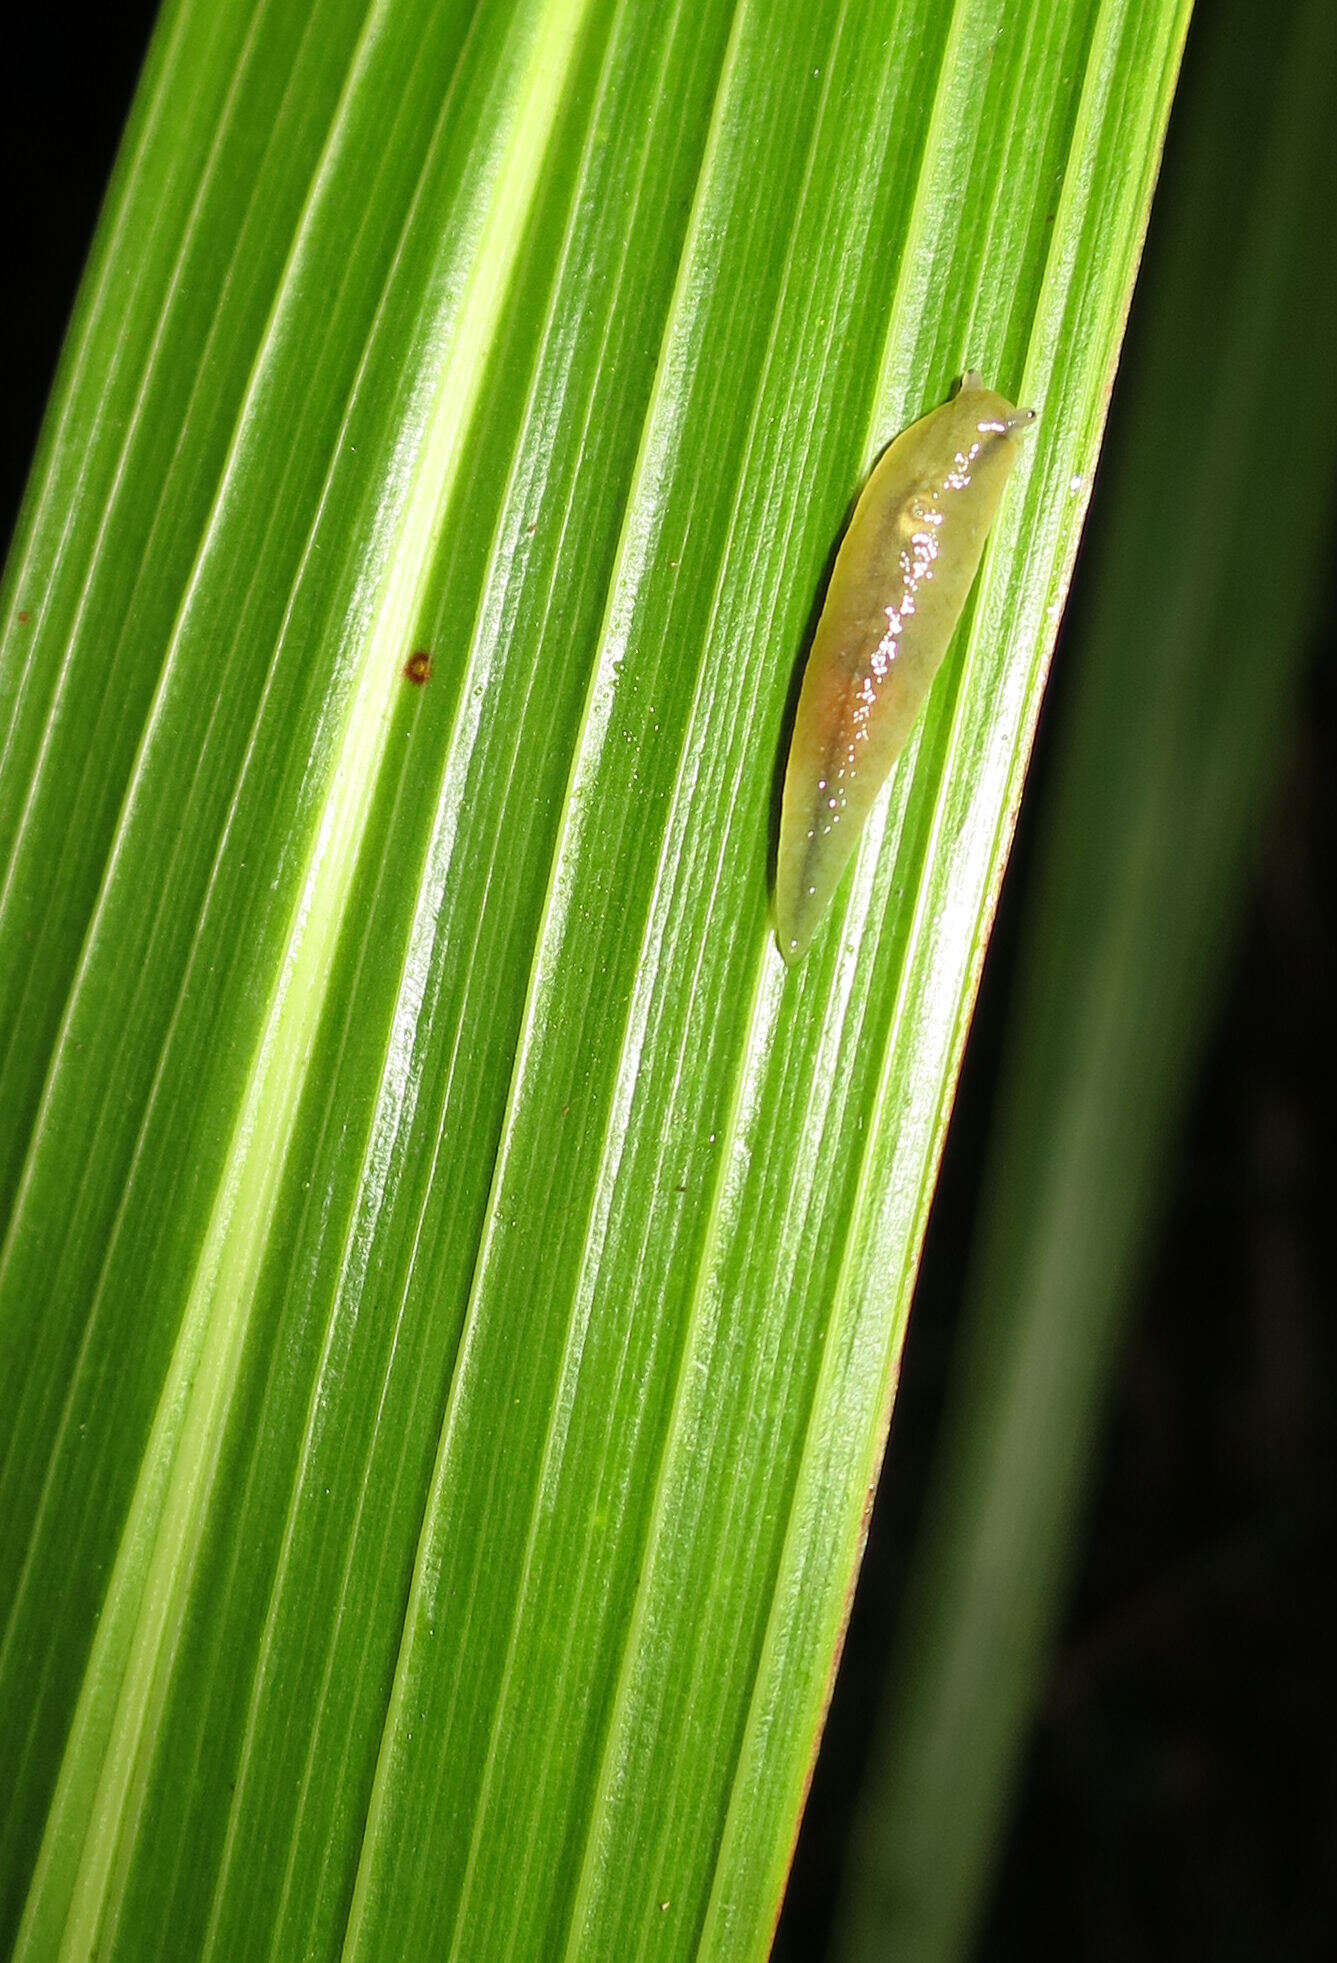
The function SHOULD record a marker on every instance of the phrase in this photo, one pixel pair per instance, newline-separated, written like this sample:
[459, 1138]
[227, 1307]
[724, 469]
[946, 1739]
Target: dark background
[1179, 1798]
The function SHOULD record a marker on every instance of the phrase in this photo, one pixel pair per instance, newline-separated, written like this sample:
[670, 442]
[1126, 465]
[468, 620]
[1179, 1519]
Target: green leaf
[1192, 621]
[453, 1277]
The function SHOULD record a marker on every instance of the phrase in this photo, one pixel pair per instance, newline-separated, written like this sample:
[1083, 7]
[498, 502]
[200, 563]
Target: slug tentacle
[900, 581]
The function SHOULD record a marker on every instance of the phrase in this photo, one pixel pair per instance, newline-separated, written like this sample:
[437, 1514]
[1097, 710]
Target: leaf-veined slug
[899, 583]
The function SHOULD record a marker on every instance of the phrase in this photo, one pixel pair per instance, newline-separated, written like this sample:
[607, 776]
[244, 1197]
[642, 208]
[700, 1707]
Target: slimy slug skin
[897, 589]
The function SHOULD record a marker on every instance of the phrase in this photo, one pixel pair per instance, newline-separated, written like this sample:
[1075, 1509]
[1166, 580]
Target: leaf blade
[545, 974]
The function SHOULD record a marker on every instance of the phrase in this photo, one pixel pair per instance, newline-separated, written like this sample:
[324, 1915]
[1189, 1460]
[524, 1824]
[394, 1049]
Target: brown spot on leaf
[418, 667]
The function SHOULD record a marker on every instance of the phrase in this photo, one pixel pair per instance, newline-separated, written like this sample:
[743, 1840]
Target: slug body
[899, 584]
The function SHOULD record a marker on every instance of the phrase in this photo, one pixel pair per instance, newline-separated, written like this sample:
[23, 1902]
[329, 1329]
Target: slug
[900, 581]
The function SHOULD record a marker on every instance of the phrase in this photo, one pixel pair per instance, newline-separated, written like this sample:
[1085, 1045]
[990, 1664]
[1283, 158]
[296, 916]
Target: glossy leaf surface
[453, 1277]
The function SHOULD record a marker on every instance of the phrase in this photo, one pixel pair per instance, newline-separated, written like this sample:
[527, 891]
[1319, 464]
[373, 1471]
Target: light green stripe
[111, 1747]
